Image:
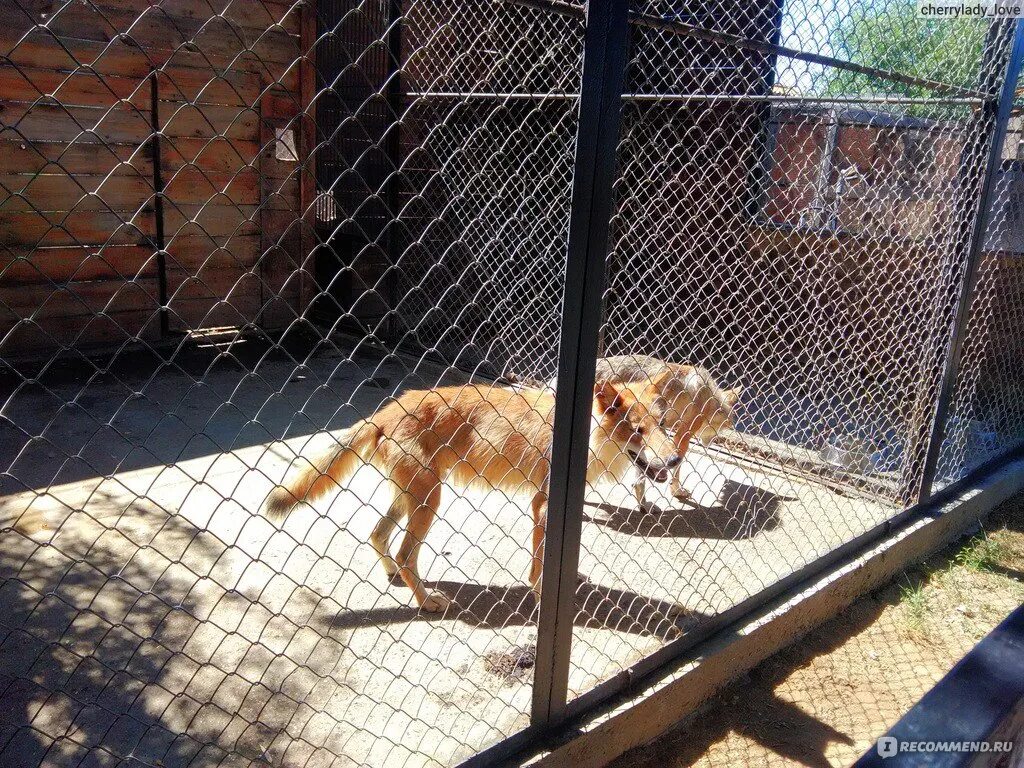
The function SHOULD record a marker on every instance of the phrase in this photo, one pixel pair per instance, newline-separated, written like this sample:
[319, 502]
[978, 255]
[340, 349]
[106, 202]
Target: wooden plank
[81, 298]
[213, 283]
[45, 265]
[230, 88]
[123, 124]
[218, 225]
[126, 195]
[248, 15]
[255, 16]
[251, 15]
[189, 315]
[206, 121]
[280, 226]
[280, 105]
[270, 256]
[80, 88]
[216, 155]
[61, 192]
[307, 140]
[282, 196]
[48, 335]
[216, 297]
[150, 28]
[60, 157]
[192, 185]
[86, 125]
[42, 50]
[83, 88]
[215, 221]
[192, 252]
[119, 57]
[77, 228]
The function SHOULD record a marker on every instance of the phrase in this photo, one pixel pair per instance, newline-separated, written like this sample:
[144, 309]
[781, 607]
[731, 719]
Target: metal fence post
[394, 150]
[604, 61]
[981, 216]
[158, 201]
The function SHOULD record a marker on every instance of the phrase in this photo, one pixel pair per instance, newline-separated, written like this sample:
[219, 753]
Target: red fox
[477, 435]
[684, 398]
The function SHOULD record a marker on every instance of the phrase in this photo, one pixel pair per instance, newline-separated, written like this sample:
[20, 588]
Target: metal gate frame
[601, 95]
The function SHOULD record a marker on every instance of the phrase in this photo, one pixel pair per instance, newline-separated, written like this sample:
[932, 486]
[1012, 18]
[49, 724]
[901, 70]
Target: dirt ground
[825, 700]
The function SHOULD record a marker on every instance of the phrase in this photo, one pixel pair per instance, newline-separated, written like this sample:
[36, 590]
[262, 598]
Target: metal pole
[394, 149]
[763, 146]
[824, 203]
[158, 202]
[982, 215]
[685, 98]
[604, 63]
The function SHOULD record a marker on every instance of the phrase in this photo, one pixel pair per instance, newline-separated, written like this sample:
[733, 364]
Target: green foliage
[895, 37]
[915, 601]
[981, 553]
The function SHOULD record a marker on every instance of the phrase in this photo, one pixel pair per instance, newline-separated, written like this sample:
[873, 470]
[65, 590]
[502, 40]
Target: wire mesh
[884, 653]
[796, 230]
[986, 418]
[230, 231]
[239, 236]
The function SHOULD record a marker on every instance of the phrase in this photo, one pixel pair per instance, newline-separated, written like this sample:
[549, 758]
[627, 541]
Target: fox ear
[662, 378]
[732, 396]
[607, 397]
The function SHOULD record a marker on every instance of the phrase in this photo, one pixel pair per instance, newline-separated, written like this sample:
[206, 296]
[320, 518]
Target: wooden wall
[77, 223]
[898, 174]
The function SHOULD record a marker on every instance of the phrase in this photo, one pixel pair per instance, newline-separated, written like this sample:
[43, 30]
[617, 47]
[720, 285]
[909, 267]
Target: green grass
[915, 601]
[982, 553]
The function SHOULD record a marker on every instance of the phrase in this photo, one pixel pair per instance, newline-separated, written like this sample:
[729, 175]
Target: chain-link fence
[298, 304]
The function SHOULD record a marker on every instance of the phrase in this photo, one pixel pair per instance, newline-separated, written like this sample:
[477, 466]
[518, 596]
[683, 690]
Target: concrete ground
[148, 610]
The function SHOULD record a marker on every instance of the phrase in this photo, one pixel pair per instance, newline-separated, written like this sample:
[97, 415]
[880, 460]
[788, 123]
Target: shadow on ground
[742, 511]
[849, 680]
[598, 607]
[85, 679]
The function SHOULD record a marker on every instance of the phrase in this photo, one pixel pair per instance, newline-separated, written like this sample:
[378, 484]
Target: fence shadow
[753, 708]
[743, 511]
[597, 607]
[67, 666]
[140, 411]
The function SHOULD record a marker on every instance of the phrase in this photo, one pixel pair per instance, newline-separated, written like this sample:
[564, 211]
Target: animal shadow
[742, 512]
[597, 607]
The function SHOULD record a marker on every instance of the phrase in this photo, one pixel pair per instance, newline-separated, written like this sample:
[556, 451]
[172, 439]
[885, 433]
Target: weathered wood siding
[77, 225]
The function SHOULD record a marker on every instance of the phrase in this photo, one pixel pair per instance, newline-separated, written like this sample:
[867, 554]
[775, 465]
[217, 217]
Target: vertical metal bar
[764, 142]
[822, 206]
[1002, 107]
[604, 62]
[158, 201]
[394, 148]
[307, 128]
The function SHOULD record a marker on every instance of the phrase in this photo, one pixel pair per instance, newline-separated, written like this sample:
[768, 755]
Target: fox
[685, 399]
[490, 437]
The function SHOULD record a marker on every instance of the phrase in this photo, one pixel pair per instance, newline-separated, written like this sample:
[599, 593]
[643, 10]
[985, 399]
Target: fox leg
[540, 521]
[682, 442]
[424, 497]
[380, 540]
[640, 490]
[676, 487]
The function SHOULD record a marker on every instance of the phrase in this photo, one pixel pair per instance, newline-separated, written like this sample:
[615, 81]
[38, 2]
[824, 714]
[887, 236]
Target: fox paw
[435, 602]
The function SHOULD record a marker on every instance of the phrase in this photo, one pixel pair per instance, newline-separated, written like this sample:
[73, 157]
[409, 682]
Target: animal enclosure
[232, 229]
